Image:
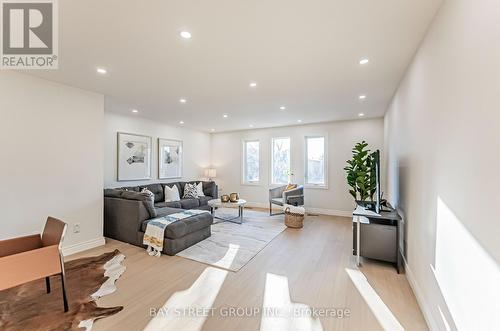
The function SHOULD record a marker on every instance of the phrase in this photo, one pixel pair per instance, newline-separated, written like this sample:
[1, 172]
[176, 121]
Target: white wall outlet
[76, 228]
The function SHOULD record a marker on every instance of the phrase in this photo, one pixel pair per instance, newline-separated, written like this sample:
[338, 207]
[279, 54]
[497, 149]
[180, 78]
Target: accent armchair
[29, 258]
[278, 196]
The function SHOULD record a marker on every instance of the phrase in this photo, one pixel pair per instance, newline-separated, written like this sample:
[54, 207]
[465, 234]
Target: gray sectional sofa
[127, 212]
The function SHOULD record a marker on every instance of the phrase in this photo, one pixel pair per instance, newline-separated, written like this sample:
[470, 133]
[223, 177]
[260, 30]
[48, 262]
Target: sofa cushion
[171, 193]
[209, 188]
[189, 203]
[112, 193]
[204, 200]
[132, 195]
[190, 191]
[131, 188]
[164, 211]
[277, 201]
[199, 190]
[170, 204]
[185, 226]
[157, 190]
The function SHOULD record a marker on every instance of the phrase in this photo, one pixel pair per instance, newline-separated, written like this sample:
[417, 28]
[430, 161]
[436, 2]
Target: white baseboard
[260, 205]
[422, 302]
[83, 246]
[330, 212]
[312, 210]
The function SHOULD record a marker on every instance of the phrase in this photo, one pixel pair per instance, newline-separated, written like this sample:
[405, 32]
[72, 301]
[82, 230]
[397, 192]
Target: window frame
[271, 177]
[244, 162]
[325, 166]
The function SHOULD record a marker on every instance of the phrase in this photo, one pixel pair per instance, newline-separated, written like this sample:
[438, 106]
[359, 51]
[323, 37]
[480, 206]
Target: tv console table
[377, 236]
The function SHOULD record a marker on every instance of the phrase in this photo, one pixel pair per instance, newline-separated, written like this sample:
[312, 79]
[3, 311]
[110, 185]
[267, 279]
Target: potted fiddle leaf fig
[360, 171]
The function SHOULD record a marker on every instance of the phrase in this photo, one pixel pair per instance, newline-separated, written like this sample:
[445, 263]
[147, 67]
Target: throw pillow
[148, 194]
[171, 193]
[199, 189]
[190, 191]
[290, 187]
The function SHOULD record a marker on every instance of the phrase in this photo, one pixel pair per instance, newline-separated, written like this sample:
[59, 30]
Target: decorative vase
[224, 198]
[234, 197]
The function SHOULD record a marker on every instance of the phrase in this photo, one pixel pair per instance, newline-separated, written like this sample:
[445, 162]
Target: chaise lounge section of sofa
[127, 212]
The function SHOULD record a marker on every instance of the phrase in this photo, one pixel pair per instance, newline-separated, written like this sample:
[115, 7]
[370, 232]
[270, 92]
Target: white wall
[342, 136]
[442, 141]
[51, 158]
[196, 146]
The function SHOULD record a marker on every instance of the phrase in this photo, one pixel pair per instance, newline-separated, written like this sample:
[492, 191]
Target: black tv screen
[378, 192]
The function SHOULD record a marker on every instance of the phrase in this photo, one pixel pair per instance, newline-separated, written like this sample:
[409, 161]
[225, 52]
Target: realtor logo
[29, 34]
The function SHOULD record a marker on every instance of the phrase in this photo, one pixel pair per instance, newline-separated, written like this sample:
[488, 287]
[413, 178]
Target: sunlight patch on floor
[188, 310]
[280, 313]
[379, 309]
[228, 258]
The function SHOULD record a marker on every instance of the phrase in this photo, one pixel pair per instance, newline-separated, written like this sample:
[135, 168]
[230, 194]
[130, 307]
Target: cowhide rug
[29, 307]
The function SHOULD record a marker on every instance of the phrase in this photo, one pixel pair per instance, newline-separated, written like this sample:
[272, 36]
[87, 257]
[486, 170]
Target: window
[280, 166]
[316, 170]
[251, 159]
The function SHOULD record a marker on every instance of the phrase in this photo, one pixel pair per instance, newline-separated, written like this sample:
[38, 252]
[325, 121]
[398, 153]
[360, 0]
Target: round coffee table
[217, 203]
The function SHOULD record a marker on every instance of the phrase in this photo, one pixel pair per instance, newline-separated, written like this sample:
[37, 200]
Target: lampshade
[210, 173]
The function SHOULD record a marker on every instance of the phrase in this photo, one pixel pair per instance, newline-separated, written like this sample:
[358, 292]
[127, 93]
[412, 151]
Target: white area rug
[231, 245]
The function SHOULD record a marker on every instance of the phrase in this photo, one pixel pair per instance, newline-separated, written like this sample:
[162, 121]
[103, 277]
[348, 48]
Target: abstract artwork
[134, 157]
[169, 158]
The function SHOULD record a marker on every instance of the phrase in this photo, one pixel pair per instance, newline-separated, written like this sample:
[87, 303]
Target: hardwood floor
[311, 262]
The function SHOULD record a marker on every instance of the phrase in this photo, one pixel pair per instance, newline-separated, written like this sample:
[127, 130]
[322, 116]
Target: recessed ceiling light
[250, 126]
[225, 115]
[101, 71]
[282, 108]
[185, 34]
[362, 97]
[364, 61]
[135, 111]
[182, 100]
[253, 84]
[361, 114]
[213, 130]
[181, 122]
[299, 121]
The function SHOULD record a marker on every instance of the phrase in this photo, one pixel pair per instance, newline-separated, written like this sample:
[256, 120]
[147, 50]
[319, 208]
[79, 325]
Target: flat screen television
[378, 192]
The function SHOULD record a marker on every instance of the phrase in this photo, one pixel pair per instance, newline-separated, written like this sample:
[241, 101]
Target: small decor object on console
[224, 198]
[294, 217]
[134, 157]
[169, 158]
[190, 191]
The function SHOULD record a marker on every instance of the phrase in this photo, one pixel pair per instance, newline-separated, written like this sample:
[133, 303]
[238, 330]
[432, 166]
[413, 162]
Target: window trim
[316, 186]
[243, 162]
[271, 178]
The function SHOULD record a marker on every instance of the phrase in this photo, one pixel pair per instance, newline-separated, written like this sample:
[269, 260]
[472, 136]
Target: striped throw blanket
[155, 229]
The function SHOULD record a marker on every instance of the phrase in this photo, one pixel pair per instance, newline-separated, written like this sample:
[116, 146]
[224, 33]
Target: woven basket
[293, 220]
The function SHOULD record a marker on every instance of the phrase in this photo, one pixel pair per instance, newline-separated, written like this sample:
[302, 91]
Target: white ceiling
[303, 54]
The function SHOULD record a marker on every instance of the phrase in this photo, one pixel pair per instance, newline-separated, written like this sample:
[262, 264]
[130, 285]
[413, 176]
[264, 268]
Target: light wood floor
[314, 260]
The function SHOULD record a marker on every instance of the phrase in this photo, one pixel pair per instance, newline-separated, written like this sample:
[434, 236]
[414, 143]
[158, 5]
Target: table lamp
[211, 173]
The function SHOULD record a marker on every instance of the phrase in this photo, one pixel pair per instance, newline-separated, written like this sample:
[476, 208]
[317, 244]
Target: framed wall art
[134, 157]
[169, 158]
